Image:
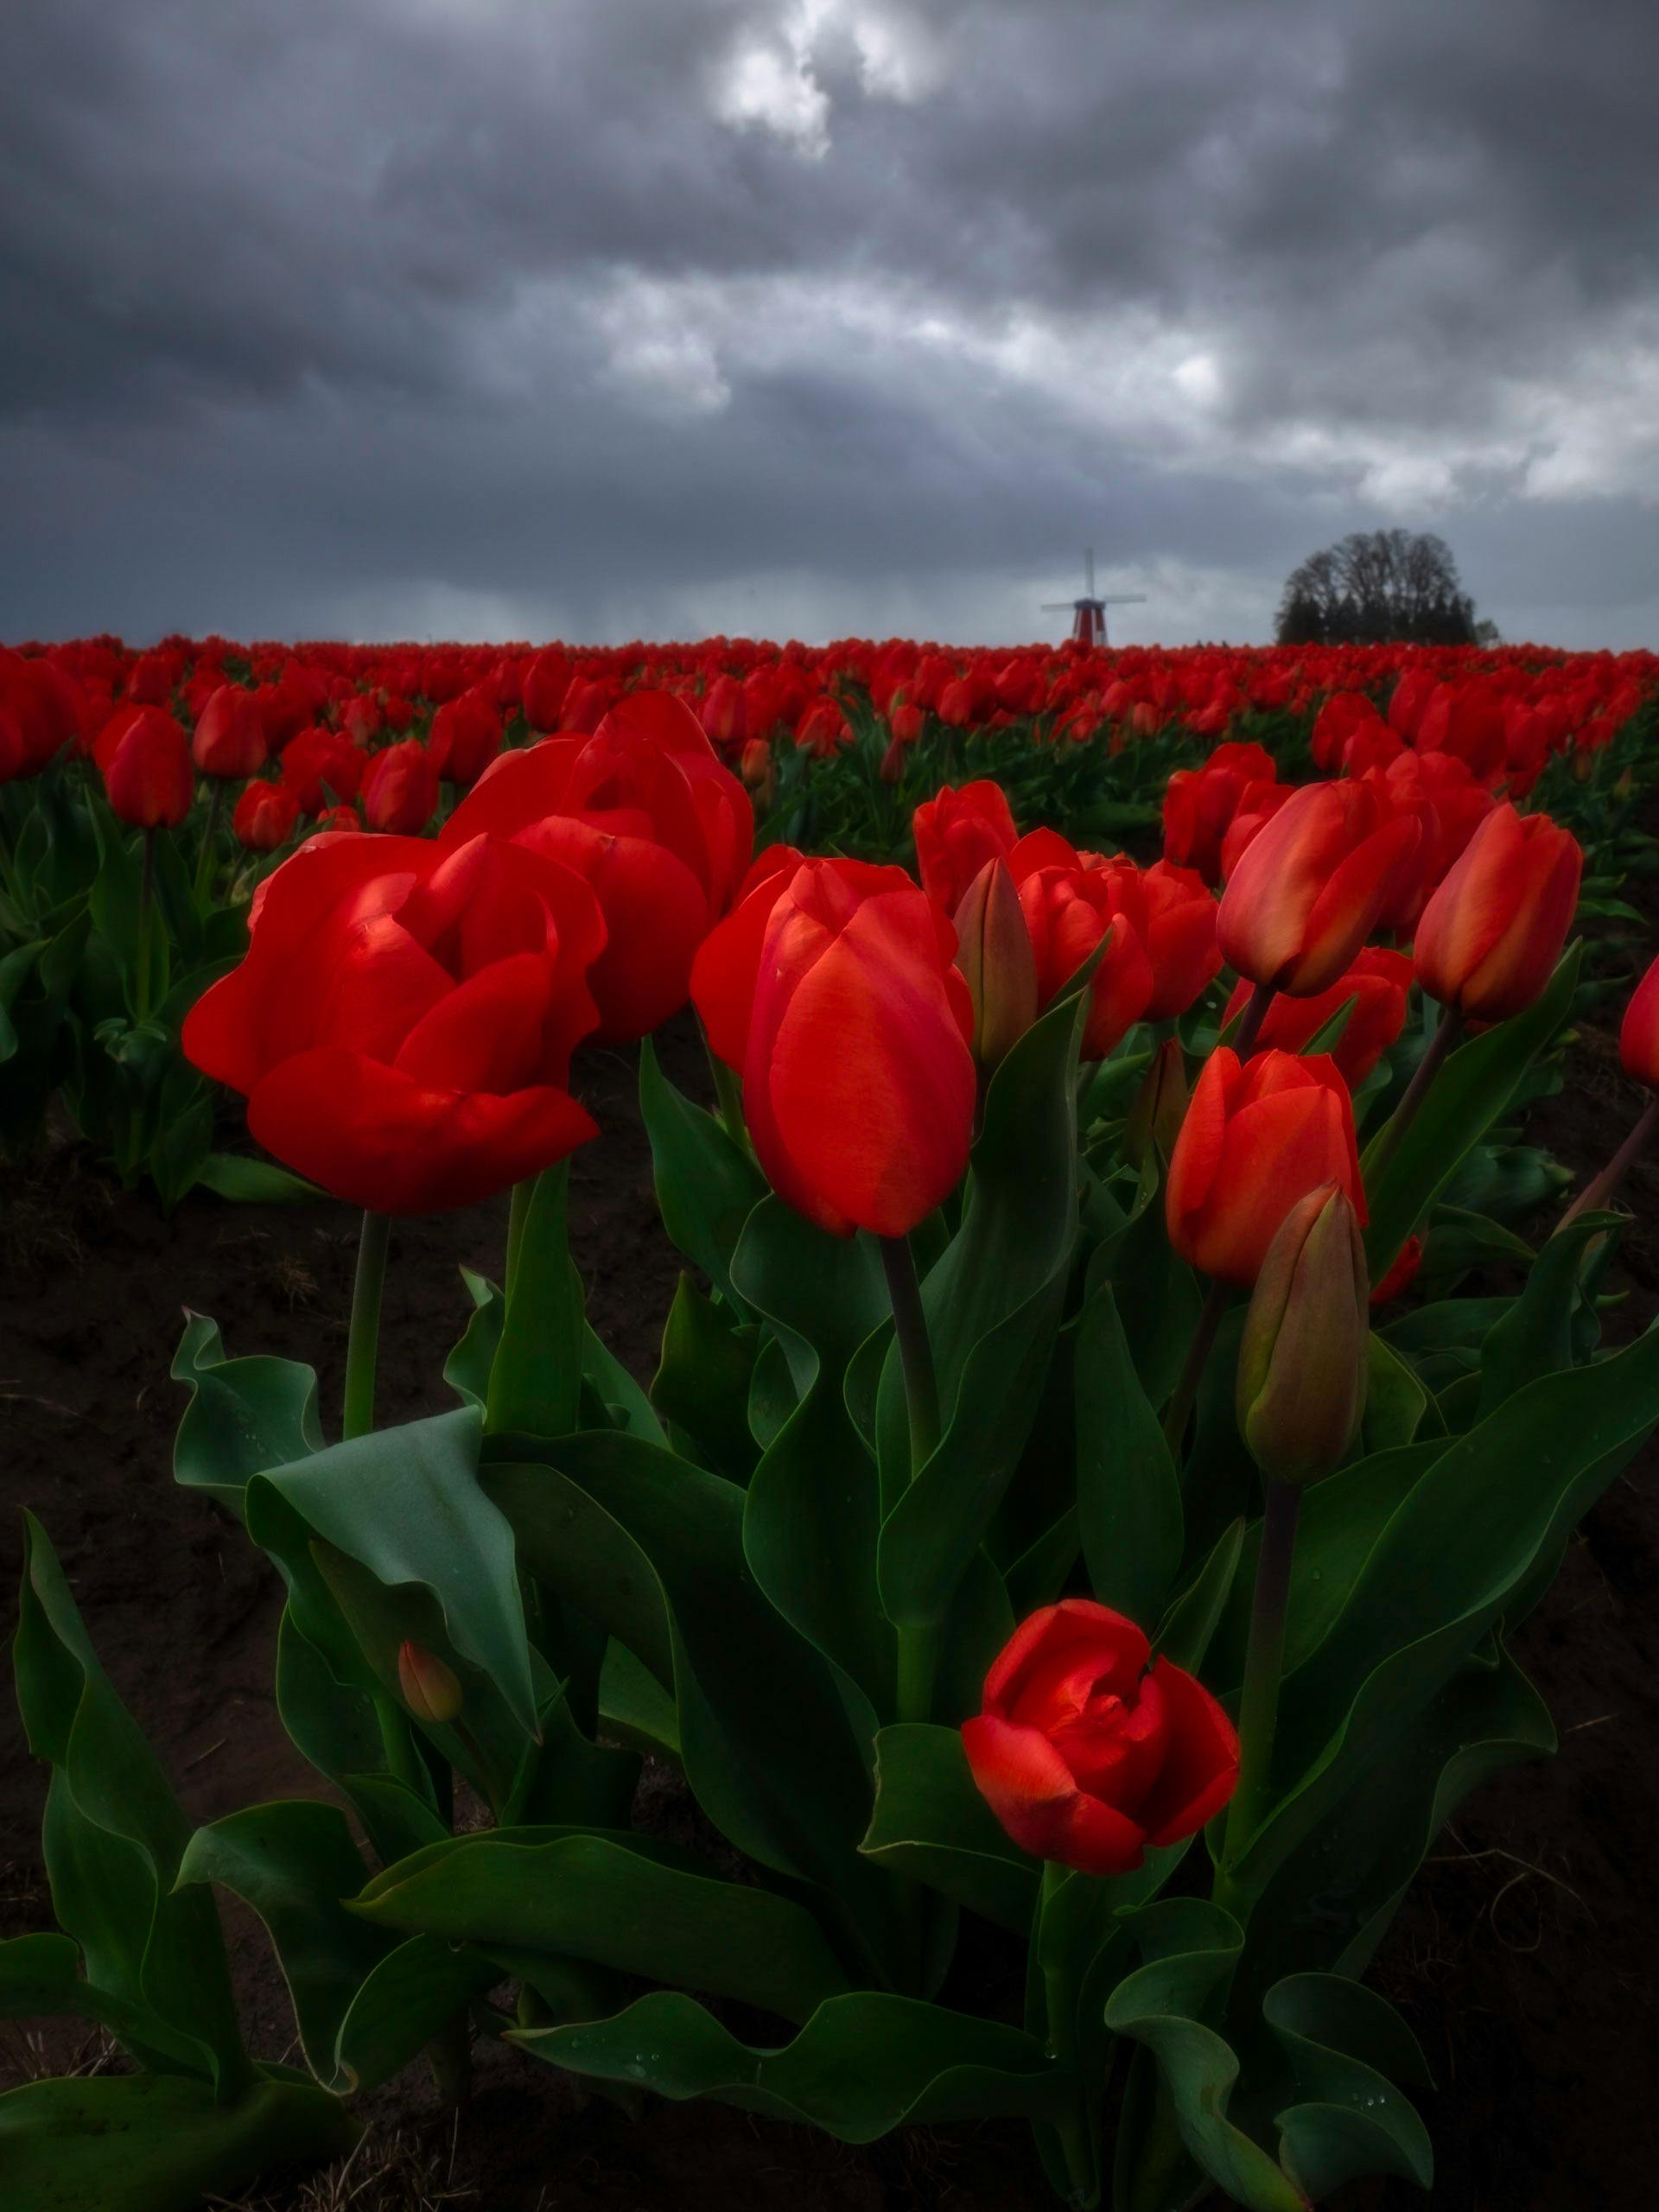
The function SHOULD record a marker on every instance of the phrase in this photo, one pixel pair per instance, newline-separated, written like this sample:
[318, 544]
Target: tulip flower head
[1302, 1359]
[1088, 1751]
[144, 756]
[1491, 936]
[1638, 1033]
[1308, 889]
[403, 1023]
[1257, 1138]
[831, 989]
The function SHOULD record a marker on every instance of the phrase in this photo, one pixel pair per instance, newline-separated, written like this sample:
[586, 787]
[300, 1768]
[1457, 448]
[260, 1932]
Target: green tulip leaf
[296, 1864]
[1460, 1547]
[1189, 1947]
[931, 1823]
[864, 2064]
[407, 1506]
[535, 1379]
[405, 2001]
[467, 1371]
[702, 1384]
[604, 1898]
[706, 1182]
[1188, 1629]
[1347, 2048]
[113, 1838]
[1129, 1494]
[652, 1547]
[244, 1415]
[813, 1515]
[1468, 1097]
[994, 1305]
[159, 2142]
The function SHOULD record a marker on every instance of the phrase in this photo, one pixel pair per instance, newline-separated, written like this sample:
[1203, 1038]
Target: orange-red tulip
[1491, 936]
[1307, 890]
[1257, 1138]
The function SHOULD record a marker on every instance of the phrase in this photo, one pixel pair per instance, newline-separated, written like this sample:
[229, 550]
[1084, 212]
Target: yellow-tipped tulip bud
[1160, 1105]
[1302, 1361]
[994, 955]
[431, 1690]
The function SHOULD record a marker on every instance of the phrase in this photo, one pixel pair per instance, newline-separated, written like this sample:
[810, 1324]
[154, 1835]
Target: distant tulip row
[1027, 1490]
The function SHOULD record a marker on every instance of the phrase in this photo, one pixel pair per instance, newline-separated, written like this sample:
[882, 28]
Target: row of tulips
[1044, 1513]
[142, 797]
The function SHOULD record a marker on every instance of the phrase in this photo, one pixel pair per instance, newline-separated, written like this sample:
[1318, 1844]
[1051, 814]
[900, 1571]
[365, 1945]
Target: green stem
[915, 1351]
[1179, 1411]
[209, 854]
[1250, 1022]
[728, 1098]
[146, 894]
[1061, 2009]
[1258, 1705]
[1602, 1189]
[450, 2055]
[364, 1341]
[518, 1215]
[1387, 1143]
[918, 1640]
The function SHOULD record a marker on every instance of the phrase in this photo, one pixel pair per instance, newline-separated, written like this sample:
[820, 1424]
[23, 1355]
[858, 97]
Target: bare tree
[1377, 587]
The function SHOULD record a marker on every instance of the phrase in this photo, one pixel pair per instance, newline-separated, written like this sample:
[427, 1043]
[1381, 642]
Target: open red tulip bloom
[1086, 1753]
[404, 1021]
[645, 811]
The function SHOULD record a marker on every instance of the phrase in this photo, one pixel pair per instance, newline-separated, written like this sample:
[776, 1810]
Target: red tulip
[647, 813]
[956, 832]
[1173, 914]
[1491, 936]
[465, 737]
[400, 788]
[1199, 804]
[546, 683]
[230, 736]
[1088, 1751]
[1638, 1033]
[42, 711]
[144, 756]
[322, 766]
[1307, 891]
[1257, 1138]
[831, 989]
[403, 1023]
[1379, 982]
[266, 817]
[1070, 905]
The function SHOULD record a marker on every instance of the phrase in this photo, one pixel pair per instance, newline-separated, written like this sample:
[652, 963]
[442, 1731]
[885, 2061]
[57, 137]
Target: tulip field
[794, 1418]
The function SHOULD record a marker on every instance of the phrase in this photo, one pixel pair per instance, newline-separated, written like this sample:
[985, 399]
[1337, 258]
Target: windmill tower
[1088, 612]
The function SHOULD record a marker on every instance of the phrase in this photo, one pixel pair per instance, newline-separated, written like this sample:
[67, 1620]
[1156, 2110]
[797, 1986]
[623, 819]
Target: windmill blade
[1089, 573]
[1058, 607]
[1124, 599]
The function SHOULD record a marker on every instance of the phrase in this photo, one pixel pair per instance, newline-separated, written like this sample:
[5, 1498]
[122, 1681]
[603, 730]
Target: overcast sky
[604, 318]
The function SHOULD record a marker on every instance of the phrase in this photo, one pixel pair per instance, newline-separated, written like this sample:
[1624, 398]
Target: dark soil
[1524, 1959]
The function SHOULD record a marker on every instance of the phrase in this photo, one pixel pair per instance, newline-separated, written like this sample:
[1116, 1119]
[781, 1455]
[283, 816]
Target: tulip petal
[1201, 1769]
[375, 1137]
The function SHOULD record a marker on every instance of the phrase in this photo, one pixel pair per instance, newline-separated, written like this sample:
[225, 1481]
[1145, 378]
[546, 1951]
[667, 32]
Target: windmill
[1088, 612]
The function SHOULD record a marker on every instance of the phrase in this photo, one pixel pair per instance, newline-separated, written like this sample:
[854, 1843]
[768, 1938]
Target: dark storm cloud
[534, 311]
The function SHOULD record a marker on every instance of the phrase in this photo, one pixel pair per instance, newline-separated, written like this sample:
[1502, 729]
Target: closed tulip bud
[892, 770]
[431, 1690]
[1309, 887]
[754, 764]
[145, 758]
[1160, 1105]
[230, 739]
[994, 953]
[1302, 1360]
[1489, 937]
